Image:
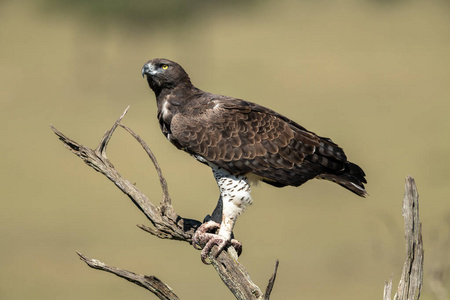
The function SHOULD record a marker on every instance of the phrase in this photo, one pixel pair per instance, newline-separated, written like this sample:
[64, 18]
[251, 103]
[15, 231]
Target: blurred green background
[372, 75]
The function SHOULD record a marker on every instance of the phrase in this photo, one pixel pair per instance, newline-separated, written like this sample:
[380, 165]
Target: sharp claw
[237, 246]
[195, 243]
[203, 258]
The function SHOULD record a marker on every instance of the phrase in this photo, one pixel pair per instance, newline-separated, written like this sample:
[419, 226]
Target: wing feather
[243, 137]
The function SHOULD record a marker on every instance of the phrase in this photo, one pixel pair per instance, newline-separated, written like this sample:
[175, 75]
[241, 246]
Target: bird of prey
[241, 141]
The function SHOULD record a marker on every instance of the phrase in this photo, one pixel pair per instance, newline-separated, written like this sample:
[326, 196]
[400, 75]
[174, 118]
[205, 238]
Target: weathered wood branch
[167, 224]
[151, 283]
[271, 282]
[411, 280]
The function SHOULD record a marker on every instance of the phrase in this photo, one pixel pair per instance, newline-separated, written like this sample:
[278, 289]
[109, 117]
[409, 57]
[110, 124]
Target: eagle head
[164, 74]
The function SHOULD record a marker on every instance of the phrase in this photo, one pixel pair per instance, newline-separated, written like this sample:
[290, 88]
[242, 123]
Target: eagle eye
[164, 67]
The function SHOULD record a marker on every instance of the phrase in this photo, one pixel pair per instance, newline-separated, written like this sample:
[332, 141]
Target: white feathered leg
[235, 195]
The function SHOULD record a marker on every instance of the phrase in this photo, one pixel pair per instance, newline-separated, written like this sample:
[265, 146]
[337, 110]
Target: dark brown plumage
[238, 139]
[243, 137]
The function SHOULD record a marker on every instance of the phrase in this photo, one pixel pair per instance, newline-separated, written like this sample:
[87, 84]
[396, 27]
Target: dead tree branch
[151, 283]
[412, 276]
[167, 224]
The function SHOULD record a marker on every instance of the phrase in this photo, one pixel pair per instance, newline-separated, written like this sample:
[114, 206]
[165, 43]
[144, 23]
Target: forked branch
[167, 224]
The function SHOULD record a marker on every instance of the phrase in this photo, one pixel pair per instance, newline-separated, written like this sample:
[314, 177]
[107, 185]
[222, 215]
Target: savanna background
[372, 75]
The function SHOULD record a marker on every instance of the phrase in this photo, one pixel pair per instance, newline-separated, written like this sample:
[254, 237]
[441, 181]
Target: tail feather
[352, 178]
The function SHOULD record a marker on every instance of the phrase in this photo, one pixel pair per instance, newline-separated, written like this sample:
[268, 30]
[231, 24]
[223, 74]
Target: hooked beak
[148, 69]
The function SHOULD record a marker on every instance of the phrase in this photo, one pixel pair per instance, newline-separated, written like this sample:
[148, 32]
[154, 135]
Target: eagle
[241, 142]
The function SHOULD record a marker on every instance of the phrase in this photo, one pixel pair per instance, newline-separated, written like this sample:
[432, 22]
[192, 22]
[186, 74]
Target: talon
[202, 230]
[203, 237]
[214, 240]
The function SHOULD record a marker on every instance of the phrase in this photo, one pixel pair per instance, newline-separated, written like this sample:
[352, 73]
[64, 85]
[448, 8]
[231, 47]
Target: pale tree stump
[411, 280]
